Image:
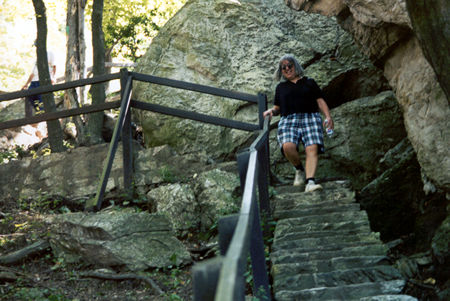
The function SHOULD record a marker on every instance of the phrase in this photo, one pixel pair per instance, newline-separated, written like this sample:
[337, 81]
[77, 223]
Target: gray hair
[288, 57]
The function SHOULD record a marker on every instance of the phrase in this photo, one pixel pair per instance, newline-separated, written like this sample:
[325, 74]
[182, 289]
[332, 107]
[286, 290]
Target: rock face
[117, 238]
[236, 45]
[431, 19]
[200, 204]
[383, 31]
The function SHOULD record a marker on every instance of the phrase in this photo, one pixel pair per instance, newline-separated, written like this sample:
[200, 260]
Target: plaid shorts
[304, 127]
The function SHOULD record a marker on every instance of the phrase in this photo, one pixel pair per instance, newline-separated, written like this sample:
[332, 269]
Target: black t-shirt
[300, 97]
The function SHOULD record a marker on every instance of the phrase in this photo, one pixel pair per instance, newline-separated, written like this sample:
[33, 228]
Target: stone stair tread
[286, 204]
[315, 210]
[328, 217]
[300, 199]
[288, 225]
[288, 256]
[327, 265]
[281, 236]
[338, 277]
[389, 298]
[327, 186]
[304, 249]
[290, 241]
[346, 292]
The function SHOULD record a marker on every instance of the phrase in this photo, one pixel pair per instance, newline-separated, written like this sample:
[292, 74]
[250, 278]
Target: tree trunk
[55, 135]
[75, 60]
[95, 122]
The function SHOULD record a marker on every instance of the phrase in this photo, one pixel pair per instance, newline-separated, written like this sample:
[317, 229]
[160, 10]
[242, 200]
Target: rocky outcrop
[236, 45]
[383, 31]
[117, 238]
[393, 209]
[430, 19]
[200, 203]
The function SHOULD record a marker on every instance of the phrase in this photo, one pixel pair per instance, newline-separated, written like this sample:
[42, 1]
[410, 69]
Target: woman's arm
[326, 111]
[272, 112]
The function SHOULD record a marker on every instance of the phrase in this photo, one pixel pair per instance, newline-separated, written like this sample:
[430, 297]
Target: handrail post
[227, 225]
[261, 288]
[96, 203]
[262, 106]
[205, 277]
[127, 146]
[242, 162]
[263, 180]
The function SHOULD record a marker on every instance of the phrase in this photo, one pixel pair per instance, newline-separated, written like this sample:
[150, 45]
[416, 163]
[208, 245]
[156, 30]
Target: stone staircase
[324, 249]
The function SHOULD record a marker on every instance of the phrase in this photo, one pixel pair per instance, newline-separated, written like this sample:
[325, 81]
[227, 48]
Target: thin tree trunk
[55, 134]
[95, 122]
[75, 60]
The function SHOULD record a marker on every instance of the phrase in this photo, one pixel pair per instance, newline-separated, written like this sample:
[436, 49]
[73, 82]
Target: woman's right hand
[269, 113]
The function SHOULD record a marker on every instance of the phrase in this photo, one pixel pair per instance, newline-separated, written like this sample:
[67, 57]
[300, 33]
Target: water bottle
[329, 131]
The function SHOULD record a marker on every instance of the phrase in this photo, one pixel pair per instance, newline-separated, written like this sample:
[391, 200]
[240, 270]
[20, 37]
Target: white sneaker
[311, 186]
[299, 178]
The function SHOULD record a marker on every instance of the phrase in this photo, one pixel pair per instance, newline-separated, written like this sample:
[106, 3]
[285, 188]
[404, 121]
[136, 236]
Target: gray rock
[178, 203]
[117, 238]
[217, 194]
[441, 243]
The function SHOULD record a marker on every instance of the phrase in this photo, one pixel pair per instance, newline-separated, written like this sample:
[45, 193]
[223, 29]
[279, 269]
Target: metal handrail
[224, 276]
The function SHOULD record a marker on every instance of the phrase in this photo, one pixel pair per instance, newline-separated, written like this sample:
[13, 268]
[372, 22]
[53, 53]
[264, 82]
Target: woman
[298, 99]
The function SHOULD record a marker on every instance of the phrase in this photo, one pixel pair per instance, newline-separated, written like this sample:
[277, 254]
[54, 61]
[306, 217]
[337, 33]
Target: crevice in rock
[354, 84]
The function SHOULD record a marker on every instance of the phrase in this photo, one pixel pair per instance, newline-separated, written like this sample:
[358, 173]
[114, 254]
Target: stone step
[389, 298]
[321, 238]
[291, 226]
[327, 265]
[288, 202]
[291, 241]
[337, 278]
[316, 209]
[335, 217]
[328, 186]
[302, 198]
[345, 293]
[291, 256]
[280, 236]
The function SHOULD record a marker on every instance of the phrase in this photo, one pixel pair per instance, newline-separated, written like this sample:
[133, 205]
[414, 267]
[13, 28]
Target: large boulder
[236, 45]
[200, 203]
[116, 238]
[73, 174]
[178, 203]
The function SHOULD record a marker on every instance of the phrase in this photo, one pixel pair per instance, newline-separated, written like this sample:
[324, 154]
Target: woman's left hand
[328, 123]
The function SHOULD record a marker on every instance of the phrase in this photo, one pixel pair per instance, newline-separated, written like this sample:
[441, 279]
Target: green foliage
[38, 294]
[43, 203]
[129, 26]
[8, 155]
[168, 175]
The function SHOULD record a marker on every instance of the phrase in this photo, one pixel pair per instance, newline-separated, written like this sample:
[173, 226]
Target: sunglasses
[287, 66]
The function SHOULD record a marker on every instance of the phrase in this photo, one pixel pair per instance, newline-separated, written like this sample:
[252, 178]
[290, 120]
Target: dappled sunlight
[25, 136]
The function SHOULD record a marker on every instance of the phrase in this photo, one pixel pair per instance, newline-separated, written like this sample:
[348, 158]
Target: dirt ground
[44, 277]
